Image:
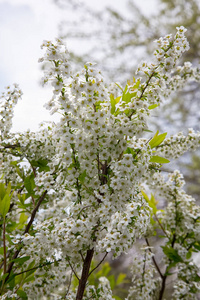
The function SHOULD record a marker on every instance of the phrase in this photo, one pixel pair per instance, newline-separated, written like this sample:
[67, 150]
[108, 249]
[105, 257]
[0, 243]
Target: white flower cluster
[145, 284]
[163, 75]
[181, 226]
[178, 144]
[187, 283]
[90, 167]
[182, 213]
[8, 100]
[102, 292]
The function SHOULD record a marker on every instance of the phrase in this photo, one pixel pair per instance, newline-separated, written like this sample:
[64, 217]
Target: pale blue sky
[24, 24]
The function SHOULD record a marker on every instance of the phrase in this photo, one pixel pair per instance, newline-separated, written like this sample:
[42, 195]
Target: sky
[24, 24]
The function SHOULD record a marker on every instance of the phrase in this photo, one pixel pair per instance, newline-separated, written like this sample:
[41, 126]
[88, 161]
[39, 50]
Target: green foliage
[41, 164]
[172, 254]
[5, 196]
[29, 184]
[159, 159]
[157, 139]
[113, 102]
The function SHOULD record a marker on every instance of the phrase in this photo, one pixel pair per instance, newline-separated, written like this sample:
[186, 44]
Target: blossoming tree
[79, 188]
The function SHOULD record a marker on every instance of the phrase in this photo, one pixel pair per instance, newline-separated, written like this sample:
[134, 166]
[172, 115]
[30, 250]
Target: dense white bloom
[86, 172]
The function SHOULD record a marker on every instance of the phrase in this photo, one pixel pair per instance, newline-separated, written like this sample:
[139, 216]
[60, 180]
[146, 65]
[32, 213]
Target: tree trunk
[84, 275]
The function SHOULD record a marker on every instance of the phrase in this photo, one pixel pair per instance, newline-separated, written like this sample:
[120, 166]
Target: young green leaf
[157, 139]
[22, 294]
[172, 254]
[159, 160]
[5, 205]
[153, 106]
[120, 278]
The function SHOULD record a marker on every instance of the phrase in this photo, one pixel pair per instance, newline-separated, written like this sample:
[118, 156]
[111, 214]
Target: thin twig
[26, 231]
[84, 208]
[70, 281]
[161, 226]
[35, 211]
[81, 255]
[98, 264]
[72, 268]
[38, 267]
[153, 258]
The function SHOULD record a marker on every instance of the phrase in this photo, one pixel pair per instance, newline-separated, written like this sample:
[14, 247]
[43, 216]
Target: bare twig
[153, 258]
[161, 226]
[72, 268]
[98, 264]
[70, 280]
[26, 231]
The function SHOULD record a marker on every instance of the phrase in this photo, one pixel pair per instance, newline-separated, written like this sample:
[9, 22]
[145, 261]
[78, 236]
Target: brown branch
[9, 146]
[163, 287]
[38, 267]
[154, 260]
[4, 245]
[26, 231]
[72, 268]
[85, 274]
[146, 85]
[81, 255]
[161, 226]
[34, 212]
[84, 209]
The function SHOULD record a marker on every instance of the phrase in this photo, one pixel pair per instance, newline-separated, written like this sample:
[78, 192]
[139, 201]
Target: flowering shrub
[76, 189]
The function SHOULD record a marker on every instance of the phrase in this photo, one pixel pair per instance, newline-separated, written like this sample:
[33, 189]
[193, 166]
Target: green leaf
[197, 278]
[117, 297]
[113, 102]
[29, 278]
[22, 294]
[4, 276]
[41, 164]
[111, 279]
[172, 254]
[145, 196]
[20, 260]
[119, 86]
[153, 106]
[22, 220]
[5, 205]
[126, 96]
[130, 151]
[82, 176]
[189, 254]
[2, 250]
[159, 160]
[157, 139]
[11, 226]
[197, 246]
[29, 183]
[8, 190]
[152, 203]
[22, 198]
[105, 269]
[2, 190]
[11, 278]
[120, 278]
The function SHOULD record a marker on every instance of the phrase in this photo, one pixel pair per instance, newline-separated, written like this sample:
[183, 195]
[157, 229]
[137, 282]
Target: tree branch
[72, 268]
[98, 264]
[85, 274]
[154, 260]
[26, 231]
